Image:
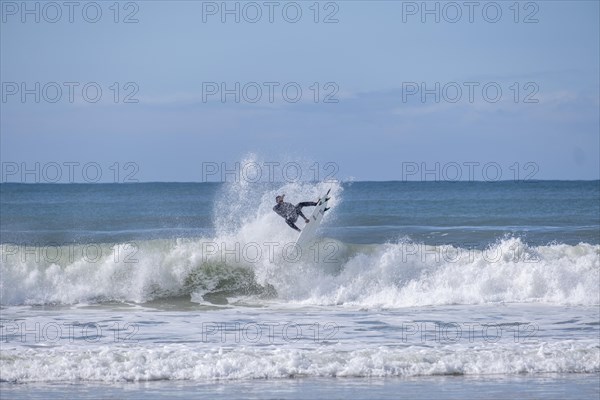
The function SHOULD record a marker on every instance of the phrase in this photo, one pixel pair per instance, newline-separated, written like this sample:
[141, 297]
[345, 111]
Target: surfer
[291, 212]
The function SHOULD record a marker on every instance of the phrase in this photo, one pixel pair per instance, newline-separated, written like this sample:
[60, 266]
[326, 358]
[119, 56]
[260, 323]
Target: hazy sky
[368, 90]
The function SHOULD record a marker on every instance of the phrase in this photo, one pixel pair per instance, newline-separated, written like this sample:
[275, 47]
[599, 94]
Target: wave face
[398, 274]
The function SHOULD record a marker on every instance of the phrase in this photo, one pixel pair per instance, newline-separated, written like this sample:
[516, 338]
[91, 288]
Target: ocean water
[429, 289]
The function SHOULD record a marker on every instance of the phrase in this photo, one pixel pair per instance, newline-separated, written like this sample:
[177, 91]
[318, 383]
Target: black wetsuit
[290, 212]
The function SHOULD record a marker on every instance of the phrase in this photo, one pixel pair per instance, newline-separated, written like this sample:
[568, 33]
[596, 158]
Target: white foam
[182, 362]
[405, 274]
[376, 276]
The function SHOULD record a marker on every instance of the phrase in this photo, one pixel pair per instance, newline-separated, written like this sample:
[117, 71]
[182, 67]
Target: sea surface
[441, 290]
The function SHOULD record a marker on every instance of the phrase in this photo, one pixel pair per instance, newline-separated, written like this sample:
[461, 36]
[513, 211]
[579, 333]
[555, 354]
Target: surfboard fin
[323, 201]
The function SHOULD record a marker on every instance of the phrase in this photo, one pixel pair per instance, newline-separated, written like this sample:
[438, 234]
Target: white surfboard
[307, 234]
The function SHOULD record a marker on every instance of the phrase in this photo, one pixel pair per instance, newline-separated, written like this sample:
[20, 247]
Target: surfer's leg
[302, 215]
[304, 204]
[292, 225]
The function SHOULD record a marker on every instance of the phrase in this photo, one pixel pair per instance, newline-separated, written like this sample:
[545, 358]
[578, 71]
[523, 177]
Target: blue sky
[376, 60]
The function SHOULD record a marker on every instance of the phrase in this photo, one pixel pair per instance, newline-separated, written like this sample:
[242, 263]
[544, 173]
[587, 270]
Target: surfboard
[307, 234]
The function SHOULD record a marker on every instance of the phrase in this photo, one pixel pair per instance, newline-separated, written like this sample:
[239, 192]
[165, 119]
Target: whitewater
[201, 284]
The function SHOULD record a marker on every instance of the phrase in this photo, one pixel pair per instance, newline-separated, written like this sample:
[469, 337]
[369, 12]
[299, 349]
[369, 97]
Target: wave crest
[399, 274]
